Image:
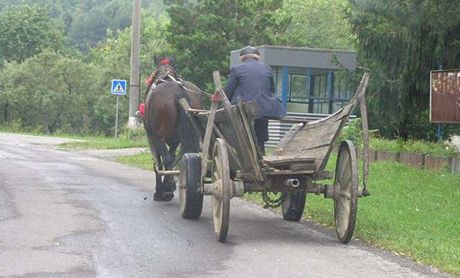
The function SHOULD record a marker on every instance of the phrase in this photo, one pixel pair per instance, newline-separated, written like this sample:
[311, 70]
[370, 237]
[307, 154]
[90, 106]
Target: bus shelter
[310, 82]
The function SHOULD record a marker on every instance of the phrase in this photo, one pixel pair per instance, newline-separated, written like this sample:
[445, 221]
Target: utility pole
[134, 86]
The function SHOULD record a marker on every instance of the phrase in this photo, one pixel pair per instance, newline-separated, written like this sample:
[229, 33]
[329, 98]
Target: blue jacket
[253, 81]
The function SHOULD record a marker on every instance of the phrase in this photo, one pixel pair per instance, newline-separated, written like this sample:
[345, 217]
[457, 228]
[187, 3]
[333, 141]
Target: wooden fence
[417, 160]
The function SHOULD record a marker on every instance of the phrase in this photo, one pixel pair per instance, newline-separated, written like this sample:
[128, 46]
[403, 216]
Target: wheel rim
[346, 189]
[221, 197]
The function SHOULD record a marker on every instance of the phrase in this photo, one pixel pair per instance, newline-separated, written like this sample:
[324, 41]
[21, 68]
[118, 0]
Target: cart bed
[308, 145]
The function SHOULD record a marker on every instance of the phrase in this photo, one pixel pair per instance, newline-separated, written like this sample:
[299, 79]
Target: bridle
[164, 73]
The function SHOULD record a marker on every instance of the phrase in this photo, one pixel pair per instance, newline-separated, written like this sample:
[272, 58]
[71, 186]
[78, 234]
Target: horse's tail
[189, 138]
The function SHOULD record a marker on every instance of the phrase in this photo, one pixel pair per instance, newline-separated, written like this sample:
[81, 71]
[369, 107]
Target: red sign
[445, 96]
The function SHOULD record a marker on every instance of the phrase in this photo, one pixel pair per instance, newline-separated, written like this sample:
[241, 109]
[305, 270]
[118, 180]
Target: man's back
[249, 80]
[252, 81]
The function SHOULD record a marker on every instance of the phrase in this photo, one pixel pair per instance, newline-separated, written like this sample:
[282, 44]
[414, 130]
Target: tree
[26, 31]
[400, 42]
[52, 92]
[95, 19]
[86, 22]
[202, 33]
[316, 23]
[49, 92]
[113, 59]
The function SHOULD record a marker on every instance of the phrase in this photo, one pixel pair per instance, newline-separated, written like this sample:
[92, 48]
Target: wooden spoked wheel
[346, 191]
[221, 197]
[190, 193]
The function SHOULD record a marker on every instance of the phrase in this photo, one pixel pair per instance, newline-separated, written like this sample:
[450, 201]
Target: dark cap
[249, 50]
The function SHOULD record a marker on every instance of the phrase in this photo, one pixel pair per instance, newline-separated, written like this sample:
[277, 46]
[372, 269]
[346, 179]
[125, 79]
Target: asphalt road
[68, 214]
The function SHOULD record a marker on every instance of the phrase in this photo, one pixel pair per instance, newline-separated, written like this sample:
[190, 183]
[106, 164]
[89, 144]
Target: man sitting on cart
[252, 80]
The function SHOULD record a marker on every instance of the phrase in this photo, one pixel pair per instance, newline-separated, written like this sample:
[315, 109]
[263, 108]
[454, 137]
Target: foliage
[353, 132]
[48, 91]
[316, 23]
[94, 19]
[202, 33]
[411, 146]
[65, 94]
[25, 31]
[15, 126]
[113, 59]
[87, 22]
[154, 40]
[400, 42]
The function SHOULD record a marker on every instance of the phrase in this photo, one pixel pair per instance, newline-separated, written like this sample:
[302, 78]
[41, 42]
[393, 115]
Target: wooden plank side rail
[207, 139]
[250, 136]
[224, 129]
[199, 120]
[315, 139]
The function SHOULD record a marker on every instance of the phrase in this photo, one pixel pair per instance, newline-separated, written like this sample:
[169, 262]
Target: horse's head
[165, 68]
[163, 71]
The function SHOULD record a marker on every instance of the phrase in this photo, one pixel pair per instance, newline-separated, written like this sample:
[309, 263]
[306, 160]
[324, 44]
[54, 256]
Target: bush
[133, 135]
[14, 126]
[412, 146]
[353, 132]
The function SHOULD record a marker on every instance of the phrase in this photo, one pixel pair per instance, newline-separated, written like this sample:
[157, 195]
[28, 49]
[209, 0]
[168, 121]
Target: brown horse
[167, 126]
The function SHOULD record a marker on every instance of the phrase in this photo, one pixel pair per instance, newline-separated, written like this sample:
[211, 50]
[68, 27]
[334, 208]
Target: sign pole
[116, 119]
[118, 89]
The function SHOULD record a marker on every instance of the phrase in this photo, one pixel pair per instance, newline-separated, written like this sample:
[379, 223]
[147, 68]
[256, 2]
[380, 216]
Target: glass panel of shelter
[309, 90]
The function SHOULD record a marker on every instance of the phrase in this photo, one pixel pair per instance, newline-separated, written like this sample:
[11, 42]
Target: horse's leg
[169, 181]
[163, 190]
[155, 148]
[158, 166]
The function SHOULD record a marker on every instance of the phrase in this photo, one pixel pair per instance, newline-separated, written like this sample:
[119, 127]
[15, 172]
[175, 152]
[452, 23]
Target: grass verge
[142, 160]
[411, 211]
[104, 143]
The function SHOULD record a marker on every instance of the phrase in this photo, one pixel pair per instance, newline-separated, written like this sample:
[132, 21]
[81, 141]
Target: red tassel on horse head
[165, 61]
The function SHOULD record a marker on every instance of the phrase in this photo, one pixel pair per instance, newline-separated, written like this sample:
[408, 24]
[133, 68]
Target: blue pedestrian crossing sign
[118, 87]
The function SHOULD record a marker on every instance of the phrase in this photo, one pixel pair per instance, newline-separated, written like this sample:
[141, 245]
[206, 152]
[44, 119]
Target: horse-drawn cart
[230, 164]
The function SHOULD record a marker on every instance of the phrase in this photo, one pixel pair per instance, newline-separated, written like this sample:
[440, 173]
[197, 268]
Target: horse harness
[166, 72]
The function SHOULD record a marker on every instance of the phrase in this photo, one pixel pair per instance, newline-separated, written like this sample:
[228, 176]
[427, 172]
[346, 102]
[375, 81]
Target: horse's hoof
[163, 196]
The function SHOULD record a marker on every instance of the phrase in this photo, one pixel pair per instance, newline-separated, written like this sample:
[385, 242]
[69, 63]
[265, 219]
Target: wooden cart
[230, 164]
